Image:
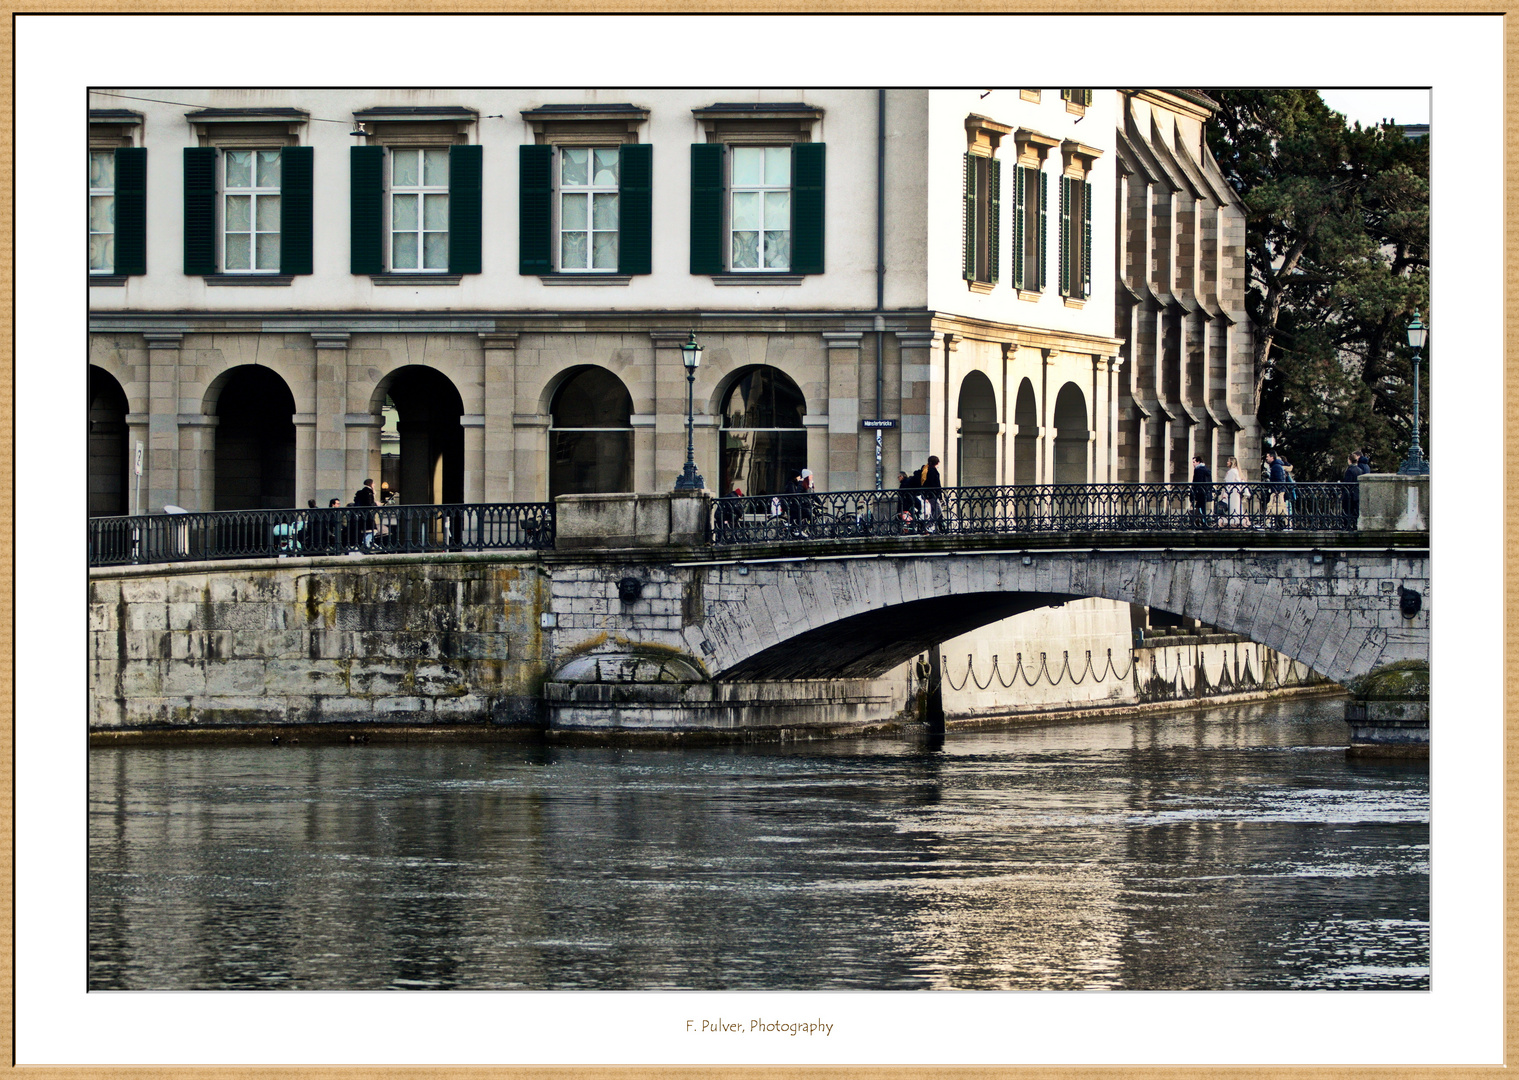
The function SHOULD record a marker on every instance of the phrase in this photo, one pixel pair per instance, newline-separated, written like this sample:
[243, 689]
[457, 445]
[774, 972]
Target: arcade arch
[1026, 437]
[422, 441]
[109, 457]
[1072, 436]
[976, 464]
[764, 443]
[590, 434]
[254, 458]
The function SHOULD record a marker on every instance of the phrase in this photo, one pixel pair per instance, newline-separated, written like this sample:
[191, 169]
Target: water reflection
[1234, 848]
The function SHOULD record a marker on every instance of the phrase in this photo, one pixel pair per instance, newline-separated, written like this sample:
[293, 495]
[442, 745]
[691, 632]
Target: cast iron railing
[394, 529]
[1033, 508]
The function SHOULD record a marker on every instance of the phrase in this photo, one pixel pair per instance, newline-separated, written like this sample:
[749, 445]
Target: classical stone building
[480, 295]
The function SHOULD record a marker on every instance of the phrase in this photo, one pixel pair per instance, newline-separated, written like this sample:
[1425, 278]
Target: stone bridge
[635, 623]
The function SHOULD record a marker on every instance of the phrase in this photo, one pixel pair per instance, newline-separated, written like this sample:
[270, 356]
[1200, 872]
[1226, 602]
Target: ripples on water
[1229, 849]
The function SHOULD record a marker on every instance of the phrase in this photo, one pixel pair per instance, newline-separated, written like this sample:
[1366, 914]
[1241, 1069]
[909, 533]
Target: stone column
[197, 462]
[474, 457]
[497, 439]
[137, 486]
[669, 402]
[917, 359]
[161, 480]
[530, 450]
[327, 470]
[1047, 430]
[362, 453]
[941, 408]
[305, 456]
[838, 469]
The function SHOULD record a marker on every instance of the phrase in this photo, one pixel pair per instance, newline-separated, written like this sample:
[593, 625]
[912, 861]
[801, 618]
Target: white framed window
[102, 211]
[589, 178]
[251, 211]
[759, 217]
[419, 210]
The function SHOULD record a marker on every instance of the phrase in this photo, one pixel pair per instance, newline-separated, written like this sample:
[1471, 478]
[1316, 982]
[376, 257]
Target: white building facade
[481, 295]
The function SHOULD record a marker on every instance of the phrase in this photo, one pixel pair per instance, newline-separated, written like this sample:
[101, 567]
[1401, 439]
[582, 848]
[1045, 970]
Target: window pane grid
[419, 210]
[760, 208]
[102, 210]
[589, 178]
[251, 211]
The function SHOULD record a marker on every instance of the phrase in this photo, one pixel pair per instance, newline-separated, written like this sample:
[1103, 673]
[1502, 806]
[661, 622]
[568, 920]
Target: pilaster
[917, 369]
[361, 437]
[305, 456]
[196, 440]
[161, 481]
[321, 469]
[669, 450]
[841, 464]
[474, 458]
[498, 464]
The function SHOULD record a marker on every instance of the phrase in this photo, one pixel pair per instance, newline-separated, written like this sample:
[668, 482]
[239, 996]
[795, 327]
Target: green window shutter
[1086, 97]
[707, 208]
[970, 218]
[200, 209]
[808, 191]
[1020, 217]
[366, 209]
[464, 207]
[1041, 269]
[131, 211]
[296, 164]
[635, 209]
[1086, 239]
[535, 209]
[993, 220]
[1065, 232]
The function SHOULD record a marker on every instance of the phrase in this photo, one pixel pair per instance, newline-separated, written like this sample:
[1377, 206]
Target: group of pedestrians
[918, 496]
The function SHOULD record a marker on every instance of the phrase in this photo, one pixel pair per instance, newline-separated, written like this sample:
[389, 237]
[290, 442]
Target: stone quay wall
[426, 640]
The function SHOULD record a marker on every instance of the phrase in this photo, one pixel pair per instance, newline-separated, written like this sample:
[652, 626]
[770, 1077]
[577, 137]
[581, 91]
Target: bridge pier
[1388, 712]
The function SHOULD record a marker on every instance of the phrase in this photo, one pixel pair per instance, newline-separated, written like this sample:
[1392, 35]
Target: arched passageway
[591, 434]
[764, 442]
[1071, 436]
[255, 441]
[1026, 437]
[426, 454]
[109, 457]
[977, 459]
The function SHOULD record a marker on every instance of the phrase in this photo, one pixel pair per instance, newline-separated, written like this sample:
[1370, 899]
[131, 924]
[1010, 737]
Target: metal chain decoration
[1174, 683]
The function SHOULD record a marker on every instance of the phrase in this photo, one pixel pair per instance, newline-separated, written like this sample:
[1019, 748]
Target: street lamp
[1414, 464]
[690, 479]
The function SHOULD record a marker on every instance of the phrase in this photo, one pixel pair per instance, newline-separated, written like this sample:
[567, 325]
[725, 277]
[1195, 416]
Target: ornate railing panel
[394, 529]
[1033, 508]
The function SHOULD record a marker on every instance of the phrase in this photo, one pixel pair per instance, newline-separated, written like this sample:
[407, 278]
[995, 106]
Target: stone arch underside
[861, 617]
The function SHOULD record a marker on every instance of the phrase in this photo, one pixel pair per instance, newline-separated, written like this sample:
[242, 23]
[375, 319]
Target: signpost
[878, 426]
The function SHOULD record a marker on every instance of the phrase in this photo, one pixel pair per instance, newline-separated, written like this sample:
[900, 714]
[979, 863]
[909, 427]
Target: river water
[1233, 848]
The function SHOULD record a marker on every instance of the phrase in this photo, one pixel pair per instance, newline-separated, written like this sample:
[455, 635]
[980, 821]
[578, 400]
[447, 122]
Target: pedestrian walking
[1202, 491]
[933, 491]
[1276, 505]
[1234, 495]
[365, 497]
[1351, 499]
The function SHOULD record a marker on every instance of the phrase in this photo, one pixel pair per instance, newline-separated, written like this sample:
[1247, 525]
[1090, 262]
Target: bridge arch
[859, 617]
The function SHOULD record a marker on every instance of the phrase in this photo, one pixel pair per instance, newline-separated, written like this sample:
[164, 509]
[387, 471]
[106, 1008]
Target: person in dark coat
[1351, 499]
[365, 497]
[1277, 505]
[1202, 491]
[1364, 463]
[932, 488]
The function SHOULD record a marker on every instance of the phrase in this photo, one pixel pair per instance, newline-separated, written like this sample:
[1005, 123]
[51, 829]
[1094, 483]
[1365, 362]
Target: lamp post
[1414, 464]
[689, 479]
